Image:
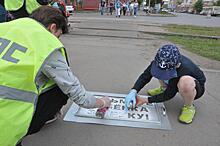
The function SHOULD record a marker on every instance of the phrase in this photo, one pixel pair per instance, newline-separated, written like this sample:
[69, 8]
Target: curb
[156, 33]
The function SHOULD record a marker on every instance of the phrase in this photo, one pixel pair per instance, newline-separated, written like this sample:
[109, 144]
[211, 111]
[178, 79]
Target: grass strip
[209, 48]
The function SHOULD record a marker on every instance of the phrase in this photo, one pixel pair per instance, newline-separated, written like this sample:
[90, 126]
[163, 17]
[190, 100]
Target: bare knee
[186, 84]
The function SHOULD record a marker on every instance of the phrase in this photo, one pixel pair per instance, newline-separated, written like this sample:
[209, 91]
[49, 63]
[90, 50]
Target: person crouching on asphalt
[36, 80]
[176, 73]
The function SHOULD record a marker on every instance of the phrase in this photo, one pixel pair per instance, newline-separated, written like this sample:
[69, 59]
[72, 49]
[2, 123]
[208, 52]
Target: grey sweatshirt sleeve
[57, 69]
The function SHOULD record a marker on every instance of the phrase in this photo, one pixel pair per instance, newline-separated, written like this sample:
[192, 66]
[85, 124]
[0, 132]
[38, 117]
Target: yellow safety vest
[13, 5]
[24, 46]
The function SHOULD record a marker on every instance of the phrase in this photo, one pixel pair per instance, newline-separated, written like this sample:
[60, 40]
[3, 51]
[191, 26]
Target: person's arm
[169, 93]
[143, 79]
[57, 69]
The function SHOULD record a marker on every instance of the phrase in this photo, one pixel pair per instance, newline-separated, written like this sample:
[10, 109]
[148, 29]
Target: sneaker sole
[185, 122]
[51, 121]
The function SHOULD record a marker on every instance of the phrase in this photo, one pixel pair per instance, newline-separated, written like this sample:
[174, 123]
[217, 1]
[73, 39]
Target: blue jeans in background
[135, 11]
[102, 10]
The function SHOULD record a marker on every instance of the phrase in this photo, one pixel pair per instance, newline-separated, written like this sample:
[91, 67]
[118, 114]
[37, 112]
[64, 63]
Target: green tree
[178, 2]
[217, 3]
[153, 2]
[198, 6]
[139, 2]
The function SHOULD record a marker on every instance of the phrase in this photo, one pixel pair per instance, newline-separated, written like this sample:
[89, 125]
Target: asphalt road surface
[111, 61]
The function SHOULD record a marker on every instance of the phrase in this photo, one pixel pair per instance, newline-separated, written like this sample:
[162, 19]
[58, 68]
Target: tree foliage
[139, 2]
[153, 2]
[217, 3]
[198, 6]
[178, 2]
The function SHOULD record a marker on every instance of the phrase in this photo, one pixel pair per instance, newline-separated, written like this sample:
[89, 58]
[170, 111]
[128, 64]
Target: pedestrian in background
[135, 8]
[111, 7]
[131, 8]
[128, 8]
[124, 8]
[102, 7]
[117, 8]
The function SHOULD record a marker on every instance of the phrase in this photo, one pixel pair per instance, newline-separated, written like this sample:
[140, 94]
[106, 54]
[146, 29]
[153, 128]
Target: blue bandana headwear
[165, 62]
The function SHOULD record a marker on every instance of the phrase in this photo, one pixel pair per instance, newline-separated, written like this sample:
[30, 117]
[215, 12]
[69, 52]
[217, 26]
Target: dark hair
[48, 15]
[44, 2]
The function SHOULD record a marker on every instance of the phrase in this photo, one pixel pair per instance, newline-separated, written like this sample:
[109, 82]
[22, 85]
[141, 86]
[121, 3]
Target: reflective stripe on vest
[10, 93]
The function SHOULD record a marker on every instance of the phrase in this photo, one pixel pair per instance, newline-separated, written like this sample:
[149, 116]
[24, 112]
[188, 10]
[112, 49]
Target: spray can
[100, 113]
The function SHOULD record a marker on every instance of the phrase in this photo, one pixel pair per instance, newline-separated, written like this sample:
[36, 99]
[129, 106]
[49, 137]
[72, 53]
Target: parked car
[69, 8]
[211, 10]
[164, 10]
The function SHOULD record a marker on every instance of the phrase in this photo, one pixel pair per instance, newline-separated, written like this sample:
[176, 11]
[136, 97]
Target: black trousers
[49, 103]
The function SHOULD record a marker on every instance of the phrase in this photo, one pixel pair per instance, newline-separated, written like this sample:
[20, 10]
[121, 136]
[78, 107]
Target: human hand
[106, 101]
[130, 99]
[141, 100]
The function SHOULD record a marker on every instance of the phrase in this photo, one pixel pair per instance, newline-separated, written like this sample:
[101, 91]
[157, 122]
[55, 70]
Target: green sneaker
[187, 114]
[155, 91]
